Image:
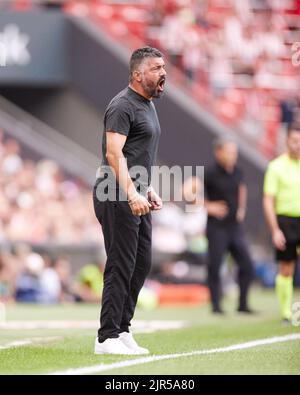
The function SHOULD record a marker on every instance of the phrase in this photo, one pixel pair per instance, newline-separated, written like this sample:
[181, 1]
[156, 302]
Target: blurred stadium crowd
[233, 56]
[42, 206]
[30, 277]
[38, 203]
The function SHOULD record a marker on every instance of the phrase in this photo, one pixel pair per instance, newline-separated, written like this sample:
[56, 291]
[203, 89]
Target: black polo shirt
[221, 185]
[134, 116]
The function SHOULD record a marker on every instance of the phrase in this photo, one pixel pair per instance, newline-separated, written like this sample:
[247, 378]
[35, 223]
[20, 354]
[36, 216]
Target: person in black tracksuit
[130, 141]
[225, 201]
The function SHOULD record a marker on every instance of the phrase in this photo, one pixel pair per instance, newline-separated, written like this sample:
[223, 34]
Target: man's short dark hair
[140, 54]
[219, 142]
[294, 127]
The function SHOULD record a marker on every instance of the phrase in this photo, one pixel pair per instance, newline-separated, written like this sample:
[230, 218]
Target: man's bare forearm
[118, 163]
[269, 208]
[242, 199]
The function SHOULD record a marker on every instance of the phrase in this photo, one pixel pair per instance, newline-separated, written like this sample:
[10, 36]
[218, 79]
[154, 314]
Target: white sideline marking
[139, 361]
[138, 326]
[26, 342]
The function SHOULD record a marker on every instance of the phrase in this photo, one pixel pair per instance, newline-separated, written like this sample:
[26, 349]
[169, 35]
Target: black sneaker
[246, 310]
[286, 322]
[218, 311]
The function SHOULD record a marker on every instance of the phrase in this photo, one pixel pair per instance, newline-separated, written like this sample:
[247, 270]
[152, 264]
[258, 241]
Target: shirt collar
[135, 94]
[223, 170]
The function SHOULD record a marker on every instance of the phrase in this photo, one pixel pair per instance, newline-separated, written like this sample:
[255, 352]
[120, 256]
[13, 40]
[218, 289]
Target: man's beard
[152, 89]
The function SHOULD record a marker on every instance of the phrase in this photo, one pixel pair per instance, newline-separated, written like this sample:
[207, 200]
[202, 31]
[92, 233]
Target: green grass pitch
[73, 348]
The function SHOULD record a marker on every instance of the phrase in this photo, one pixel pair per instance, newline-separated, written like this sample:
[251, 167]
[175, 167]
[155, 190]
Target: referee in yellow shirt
[282, 210]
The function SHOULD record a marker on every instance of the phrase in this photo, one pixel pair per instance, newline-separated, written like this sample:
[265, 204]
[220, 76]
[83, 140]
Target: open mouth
[161, 84]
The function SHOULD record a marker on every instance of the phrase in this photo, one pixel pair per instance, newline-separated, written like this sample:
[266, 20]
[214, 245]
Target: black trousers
[127, 241]
[222, 239]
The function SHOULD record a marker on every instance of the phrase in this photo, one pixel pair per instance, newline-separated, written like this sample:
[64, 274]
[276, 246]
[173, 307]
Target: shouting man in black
[130, 141]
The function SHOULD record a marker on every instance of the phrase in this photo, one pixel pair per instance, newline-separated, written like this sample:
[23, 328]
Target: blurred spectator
[28, 285]
[179, 232]
[63, 269]
[6, 279]
[168, 236]
[172, 38]
[271, 41]
[50, 283]
[195, 215]
[89, 284]
[220, 69]
[26, 5]
[288, 109]
[54, 4]
[193, 58]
